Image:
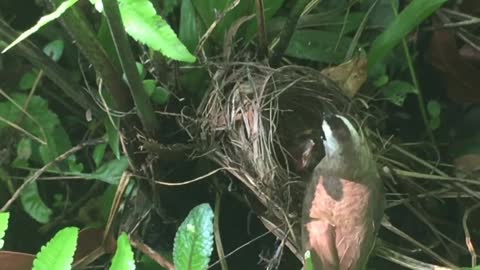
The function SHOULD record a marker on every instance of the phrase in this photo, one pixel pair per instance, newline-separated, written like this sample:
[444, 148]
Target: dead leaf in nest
[351, 75]
[468, 164]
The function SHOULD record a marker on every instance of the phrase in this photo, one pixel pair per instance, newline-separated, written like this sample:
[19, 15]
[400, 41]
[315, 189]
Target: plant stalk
[81, 31]
[287, 32]
[144, 108]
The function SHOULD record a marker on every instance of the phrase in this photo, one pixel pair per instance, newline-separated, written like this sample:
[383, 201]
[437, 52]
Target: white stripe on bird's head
[331, 142]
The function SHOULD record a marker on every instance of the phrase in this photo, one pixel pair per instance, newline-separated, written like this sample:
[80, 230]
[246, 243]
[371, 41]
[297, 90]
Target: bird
[344, 200]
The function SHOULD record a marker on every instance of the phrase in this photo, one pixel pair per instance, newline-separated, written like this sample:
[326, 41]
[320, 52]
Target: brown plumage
[344, 201]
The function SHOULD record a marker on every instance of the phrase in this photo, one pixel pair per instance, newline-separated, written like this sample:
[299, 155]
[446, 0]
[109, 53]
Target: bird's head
[340, 136]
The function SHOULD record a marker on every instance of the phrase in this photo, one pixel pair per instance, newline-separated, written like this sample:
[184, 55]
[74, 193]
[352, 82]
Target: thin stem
[287, 32]
[413, 74]
[262, 34]
[86, 40]
[218, 239]
[125, 55]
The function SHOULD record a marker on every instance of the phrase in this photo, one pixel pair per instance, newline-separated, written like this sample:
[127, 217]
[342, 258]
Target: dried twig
[40, 171]
[147, 250]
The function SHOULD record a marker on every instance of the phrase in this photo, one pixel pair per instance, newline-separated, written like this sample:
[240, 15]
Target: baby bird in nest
[344, 201]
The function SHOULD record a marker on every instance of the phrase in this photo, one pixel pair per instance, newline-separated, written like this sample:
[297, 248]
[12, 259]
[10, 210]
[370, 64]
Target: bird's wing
[319, 230]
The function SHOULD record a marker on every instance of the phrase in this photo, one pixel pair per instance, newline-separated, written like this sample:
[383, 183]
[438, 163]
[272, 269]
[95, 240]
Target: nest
[252, 122]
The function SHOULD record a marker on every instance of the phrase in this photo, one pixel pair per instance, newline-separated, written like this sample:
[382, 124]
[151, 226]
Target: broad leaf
[144, 25]
[59, 251]
[194, 240]
[34, 205]
[408, 19]
[3, 226]
[27, 80]
[123, 258]
[45, 125]
[110, 172]
[188, 33]
[149, 86]
[318, 46]
[41, 22]
[160, 95]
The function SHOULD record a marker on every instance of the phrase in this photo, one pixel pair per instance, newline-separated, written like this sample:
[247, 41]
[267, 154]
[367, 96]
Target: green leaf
[113, 135]
[123, 258]
[161, 95]
[41, 22]
[33, 204]
[98, 153]
[144, 25]
[408, 19]
[382, 14]
[149, 86]
[57, 143]
[4, 217]
[434, 108]
[59, 251]
[27, 80]
[208, 11]
[396, 91]
[106, 40]
[37, 107]
[54, 49]
[381, 81]
[194, 240]
[110, 172]
[24, 149]
[158, 94]
[318, 46]
[141, 70]
[188, 32]
[45, 125]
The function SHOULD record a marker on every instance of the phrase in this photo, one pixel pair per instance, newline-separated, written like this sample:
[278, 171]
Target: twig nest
[263, 125]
